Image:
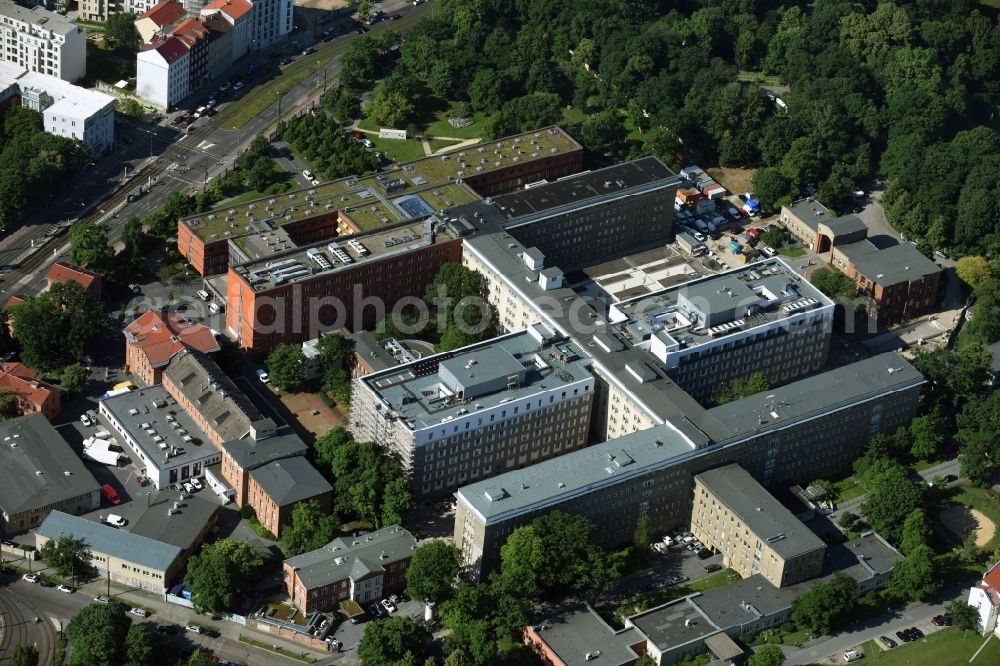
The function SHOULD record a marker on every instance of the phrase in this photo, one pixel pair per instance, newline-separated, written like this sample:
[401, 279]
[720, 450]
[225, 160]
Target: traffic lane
[24, 623]
[49, 601]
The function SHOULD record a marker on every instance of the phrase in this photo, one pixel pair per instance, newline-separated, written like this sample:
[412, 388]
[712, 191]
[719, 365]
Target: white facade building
[239, 14]
[162, 73]
[985, 598]
[67, 110]
[272, 20]
[43, 41]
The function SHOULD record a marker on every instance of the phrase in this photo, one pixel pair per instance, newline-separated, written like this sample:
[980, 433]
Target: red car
[110, 494]
[395, 17]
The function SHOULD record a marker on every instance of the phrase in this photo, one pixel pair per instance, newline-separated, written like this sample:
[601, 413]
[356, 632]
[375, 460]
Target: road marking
[205, 145]
[980, 648]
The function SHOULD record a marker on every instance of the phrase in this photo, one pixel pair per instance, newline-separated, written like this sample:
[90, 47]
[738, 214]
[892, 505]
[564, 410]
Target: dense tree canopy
[433, 571]
[891, 497]
[321, 142]
[56, 327]
[396, 642]
[286, 366]
[97, 633]
[311, 528]
[221, 572]
[826, 605]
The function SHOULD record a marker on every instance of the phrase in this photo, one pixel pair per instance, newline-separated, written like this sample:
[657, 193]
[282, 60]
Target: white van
[853, 655]
[215, 308]
[204, 295]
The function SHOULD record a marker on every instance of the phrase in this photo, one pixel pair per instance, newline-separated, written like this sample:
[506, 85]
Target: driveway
[915, 615]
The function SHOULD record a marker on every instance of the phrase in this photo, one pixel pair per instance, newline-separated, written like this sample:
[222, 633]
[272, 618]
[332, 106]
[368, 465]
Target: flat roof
[674, 624]
[578, 189]
[68, 99]
[294, 264]
[434, 179]
[867, 378]
[424, 397]
[111, 541]
[290, 480]
[892, 265]
[183, 526]
[353, 557]
[40, 17]
[159, 426]
[711, 307]
[37, 467]
[579, 472]
[578, 630]
[765, 516]
[810, 211]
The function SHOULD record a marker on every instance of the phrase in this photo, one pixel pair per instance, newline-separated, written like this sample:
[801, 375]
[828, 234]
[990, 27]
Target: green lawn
[724, 577]
[441, 127]
[792, 252]
[574, 116]
[397, 150]
[278, 650]
[106, 65]
[257, 98]
[990, 3]
[976, 498]
[438, 144]
[847, 488]
[942, 648]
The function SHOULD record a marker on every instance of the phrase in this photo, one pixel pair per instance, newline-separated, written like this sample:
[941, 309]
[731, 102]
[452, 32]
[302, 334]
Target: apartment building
[276, 488]
[163, 72]
[158, 19]
[42, 41]
[239, 15]
[807, 429]
[241, 456]
[897, 283]
[40, 473]
[478, 411]
[213, 241]
[708, 622]
[33, 394]
[99, 10]
[195, 36]
[733, 514]
[155, 337]
[362, 568]
[578, 220]
[213, 401]
[290, 296]
[271, 20]
[131, 560]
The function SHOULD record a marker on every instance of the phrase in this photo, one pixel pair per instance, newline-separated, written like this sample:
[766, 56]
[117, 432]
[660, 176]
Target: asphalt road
[19, 609]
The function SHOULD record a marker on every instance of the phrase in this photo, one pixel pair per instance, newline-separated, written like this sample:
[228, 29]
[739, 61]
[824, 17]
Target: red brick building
[64, 272]
[362, 569]
[34, 395]
[274, 489]
[155, 337]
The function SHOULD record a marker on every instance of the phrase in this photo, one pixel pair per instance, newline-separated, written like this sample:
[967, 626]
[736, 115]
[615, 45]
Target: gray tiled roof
[578, 630]
[60, 25]
[892, 265]
[290, 480]
[37, 466]
[353, 557]
[224, 406]
[250, 454]
[111, 541]
[759, 511]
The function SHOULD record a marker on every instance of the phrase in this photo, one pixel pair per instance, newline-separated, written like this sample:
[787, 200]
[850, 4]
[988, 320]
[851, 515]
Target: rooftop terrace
[433, 179]
[299, 263]
[716, 306]
[479, 377]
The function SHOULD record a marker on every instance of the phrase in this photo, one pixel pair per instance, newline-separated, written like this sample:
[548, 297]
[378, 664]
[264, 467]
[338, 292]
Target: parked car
[193, 628]
[110, 494]
[853, 655]
[950, 478]
[307, 174]
[262, 375]
[101, 599]
[140, 612]
[389, 606]
[916, 633]
[712, 568]
[85, 420]
[887, 642]
[188, 488]
[65, 588]
[196, 482]
[135, 289]
[31, 578]
[115, 520]
[704, 554]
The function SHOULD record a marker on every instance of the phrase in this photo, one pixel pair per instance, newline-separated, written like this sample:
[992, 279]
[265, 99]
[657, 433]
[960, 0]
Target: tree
[73, 378]
[67, 555]
[916, 531]
[132, 108]
[825, 605]
[97, 635]
[24, 655]
[55, 328]
[432, 572]
[774, 238]
[767, 655]
[311, 528]
[914, 578]
[643, 532]
[847, 521]
[396, 642]
[969, 551]
[221, 573]
[891, 496]
[89, 247]
[143, 646]
[135, 241]
[397, 502]
[120, 32]
[739, 388]
[972, 270]
[474, 641]
[963, 616]
[927, 433]
[286, 366]
[199, 658]
[834, 284]
[390, 108]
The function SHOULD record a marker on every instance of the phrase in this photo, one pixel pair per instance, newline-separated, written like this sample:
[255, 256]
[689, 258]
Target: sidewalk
[180, 615]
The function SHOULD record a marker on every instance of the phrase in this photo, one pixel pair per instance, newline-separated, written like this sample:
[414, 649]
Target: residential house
[42, 41]
[62, 271]
[163, 72]
[158, 19]
[276, 488]
[239, 15]
[155, 337]
[985, 598]
[34, 394]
